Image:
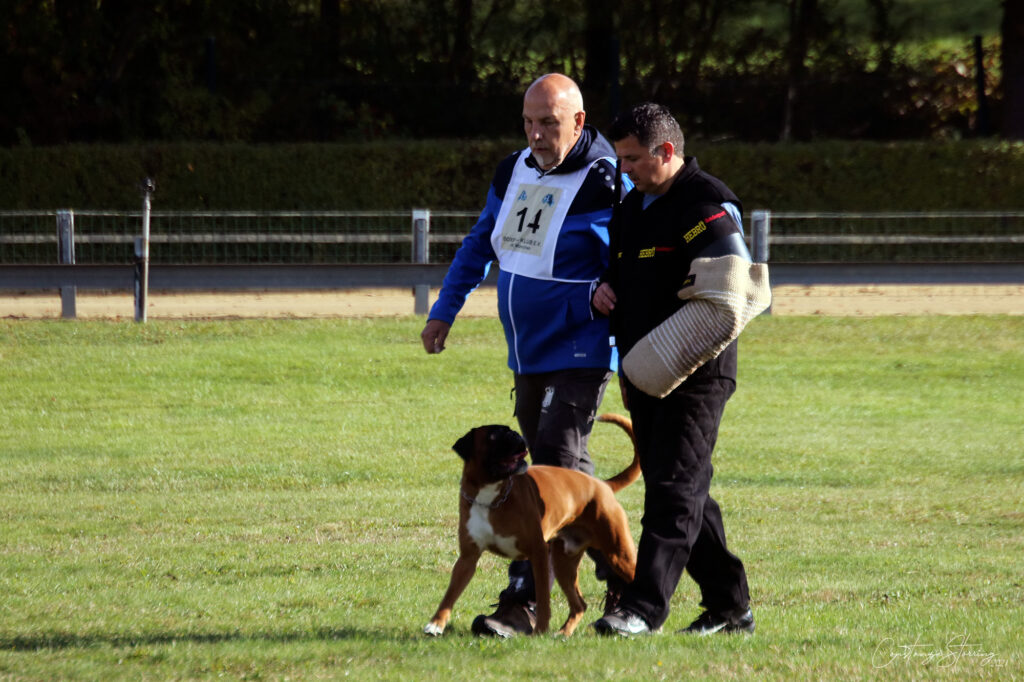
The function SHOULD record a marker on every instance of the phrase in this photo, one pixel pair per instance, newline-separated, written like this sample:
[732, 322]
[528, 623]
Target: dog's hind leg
[618, 547]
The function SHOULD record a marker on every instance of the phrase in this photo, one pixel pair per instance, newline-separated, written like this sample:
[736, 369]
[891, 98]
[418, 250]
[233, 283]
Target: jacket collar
[590, 147]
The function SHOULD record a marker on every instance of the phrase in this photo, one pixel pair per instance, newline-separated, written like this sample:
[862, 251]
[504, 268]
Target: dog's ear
[464, 446]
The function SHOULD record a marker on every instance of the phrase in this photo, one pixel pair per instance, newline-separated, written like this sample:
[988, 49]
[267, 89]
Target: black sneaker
[622, 622]
[508, 620]
[709, 623]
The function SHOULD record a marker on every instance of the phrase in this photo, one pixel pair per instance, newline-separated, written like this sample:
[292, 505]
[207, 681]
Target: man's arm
[730, 244]
[724, 291]
[468, 269]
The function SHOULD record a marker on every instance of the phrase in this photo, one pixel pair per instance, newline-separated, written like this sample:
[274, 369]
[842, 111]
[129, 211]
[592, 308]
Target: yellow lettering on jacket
[698, 228]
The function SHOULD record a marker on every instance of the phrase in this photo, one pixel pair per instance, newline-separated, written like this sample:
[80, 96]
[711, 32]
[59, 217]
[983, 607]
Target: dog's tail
[632, 472]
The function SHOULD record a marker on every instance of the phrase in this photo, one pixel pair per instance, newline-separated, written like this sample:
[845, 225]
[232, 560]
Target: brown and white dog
[515, 511]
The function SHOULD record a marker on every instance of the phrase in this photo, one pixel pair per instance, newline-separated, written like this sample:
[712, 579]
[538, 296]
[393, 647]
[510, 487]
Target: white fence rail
[351, 249]
[191, 237]
[935, 235]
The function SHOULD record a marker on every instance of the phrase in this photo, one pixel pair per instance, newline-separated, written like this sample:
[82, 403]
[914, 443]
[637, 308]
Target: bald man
[545, 222]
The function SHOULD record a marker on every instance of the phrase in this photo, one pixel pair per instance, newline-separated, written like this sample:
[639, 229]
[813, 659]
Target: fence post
[421, 256]
[66, 256]
[142, 254]
[761, 227]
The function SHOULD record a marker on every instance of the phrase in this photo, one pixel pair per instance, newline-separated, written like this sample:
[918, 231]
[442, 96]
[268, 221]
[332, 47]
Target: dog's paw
[433, 629]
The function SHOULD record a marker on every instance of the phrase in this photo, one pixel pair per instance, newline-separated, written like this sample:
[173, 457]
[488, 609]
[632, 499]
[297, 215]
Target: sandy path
[788, 300]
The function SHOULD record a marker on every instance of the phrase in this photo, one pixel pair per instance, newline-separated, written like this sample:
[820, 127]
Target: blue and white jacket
[549, 233]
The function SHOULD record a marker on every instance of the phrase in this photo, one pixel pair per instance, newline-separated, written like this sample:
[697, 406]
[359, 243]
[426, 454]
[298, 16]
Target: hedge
[454, 174]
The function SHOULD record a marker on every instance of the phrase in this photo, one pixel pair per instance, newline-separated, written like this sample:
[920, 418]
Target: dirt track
[787, 300]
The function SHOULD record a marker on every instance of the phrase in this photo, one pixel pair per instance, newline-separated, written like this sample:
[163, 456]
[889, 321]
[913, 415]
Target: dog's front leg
[540, 561]
[462, 573]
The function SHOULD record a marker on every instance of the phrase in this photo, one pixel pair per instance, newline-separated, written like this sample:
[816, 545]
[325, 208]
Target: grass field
[277, 500]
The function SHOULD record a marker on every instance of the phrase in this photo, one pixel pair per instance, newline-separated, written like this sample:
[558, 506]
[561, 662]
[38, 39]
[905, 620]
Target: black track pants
[682, 524]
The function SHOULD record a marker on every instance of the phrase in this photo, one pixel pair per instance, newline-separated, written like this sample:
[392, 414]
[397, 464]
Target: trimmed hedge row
[454, 174]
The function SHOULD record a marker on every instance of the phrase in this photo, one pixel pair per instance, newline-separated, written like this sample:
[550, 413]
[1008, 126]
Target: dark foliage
[284, 70]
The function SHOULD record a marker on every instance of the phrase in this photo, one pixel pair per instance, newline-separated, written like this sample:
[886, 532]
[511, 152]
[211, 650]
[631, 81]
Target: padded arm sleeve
[723, 295]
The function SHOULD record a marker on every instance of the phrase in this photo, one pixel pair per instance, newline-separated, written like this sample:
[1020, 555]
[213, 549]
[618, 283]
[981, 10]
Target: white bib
[526, 231]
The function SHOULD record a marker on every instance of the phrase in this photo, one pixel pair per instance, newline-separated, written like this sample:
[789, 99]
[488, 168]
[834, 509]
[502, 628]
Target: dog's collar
[492, 505]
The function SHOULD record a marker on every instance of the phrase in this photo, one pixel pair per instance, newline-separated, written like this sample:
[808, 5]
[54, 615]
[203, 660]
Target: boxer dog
[546, 514]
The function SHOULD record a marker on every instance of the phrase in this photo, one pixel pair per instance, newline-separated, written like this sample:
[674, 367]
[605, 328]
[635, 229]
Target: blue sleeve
[471, 264]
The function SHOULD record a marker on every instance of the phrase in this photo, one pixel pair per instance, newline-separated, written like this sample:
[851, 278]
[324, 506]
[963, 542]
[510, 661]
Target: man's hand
[434, 335]
[604, 299]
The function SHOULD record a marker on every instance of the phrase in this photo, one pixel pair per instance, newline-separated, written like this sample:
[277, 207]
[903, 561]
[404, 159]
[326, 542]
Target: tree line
[330, 70]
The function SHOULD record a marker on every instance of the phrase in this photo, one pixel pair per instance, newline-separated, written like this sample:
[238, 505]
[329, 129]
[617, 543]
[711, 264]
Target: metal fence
[889, 236]
[217, 250]
[232, 237]
[388, 237]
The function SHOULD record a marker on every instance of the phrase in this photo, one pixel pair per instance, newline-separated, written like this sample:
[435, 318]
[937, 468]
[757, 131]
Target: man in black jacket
[679, 289]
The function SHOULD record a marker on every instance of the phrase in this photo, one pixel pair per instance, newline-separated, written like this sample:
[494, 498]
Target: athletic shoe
[623, 622]
[508, 620]
[709, 623]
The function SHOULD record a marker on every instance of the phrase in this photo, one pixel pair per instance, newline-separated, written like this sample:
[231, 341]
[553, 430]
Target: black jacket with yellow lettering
[651, 252]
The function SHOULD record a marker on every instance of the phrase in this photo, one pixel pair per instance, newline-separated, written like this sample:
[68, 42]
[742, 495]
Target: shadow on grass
[70, 640]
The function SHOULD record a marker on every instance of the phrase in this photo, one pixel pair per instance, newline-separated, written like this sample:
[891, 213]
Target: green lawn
[277, 500]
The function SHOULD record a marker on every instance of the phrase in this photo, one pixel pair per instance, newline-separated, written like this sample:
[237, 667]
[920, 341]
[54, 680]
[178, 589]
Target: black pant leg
[718, 572]
[676, 436]
[556, 413]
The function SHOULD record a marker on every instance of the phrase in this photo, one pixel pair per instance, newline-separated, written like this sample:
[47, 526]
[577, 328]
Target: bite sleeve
[723, 294]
